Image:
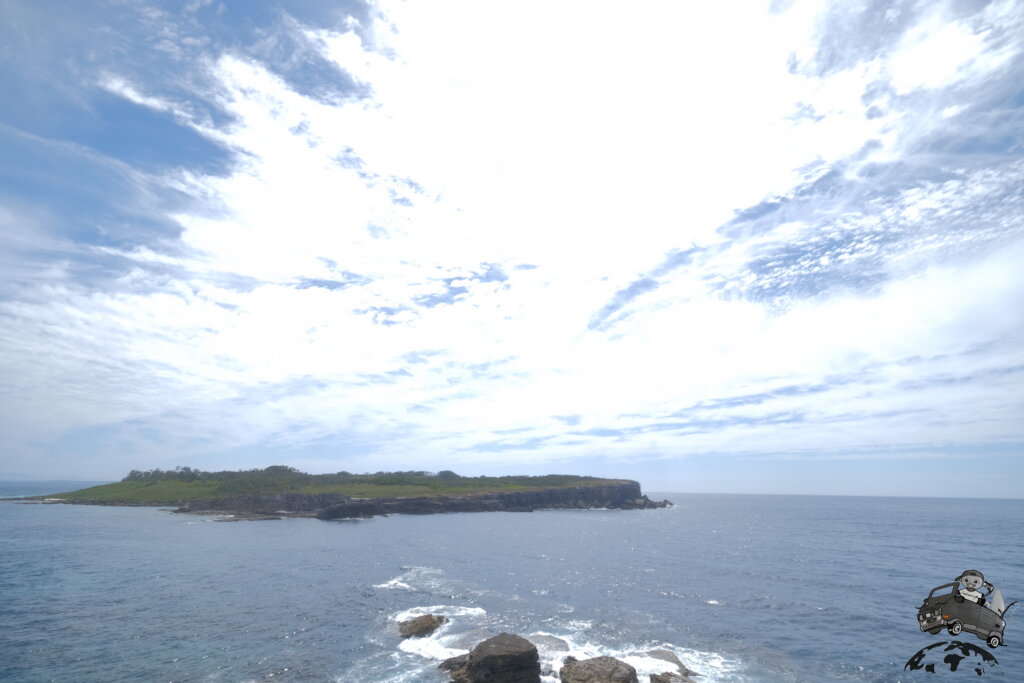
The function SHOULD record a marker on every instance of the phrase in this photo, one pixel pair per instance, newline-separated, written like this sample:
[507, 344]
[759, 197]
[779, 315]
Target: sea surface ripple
[741, 588]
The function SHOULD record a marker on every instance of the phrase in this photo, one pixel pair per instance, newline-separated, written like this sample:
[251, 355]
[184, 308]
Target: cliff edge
[624, 495]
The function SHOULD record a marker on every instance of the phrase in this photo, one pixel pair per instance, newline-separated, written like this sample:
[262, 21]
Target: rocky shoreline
[625, 495]
[621, 495]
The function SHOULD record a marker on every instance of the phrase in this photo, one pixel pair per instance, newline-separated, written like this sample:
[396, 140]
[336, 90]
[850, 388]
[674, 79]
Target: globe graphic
[952, 657]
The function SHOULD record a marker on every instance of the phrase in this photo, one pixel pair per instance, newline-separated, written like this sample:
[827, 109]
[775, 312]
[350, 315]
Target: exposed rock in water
[421, 626]
[505, 658]
[667, 656]
[551, 649]
[684, 674]
[670, 677]
[469, 639]
[247, 518]
[597, 670]
[550, 643]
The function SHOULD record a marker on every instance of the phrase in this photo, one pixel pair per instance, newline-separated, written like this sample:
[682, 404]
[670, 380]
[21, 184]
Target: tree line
[282, 477]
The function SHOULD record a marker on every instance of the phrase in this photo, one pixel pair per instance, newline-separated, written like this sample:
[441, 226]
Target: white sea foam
[450, 611]
[553, 646]
[431, 648]
[711, 666]
[412, 579]
[579, 625]
[467, 626]
[411, 676]
[441, 644]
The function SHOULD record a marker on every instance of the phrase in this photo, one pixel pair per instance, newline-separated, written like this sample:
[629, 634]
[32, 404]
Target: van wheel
[955, 628]
[993, 641]
[935, 630]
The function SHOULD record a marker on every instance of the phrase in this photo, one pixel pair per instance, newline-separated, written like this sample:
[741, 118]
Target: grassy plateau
[183, 484]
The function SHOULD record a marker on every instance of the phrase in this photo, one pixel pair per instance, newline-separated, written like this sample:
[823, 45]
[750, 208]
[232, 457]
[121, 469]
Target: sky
[746, 247]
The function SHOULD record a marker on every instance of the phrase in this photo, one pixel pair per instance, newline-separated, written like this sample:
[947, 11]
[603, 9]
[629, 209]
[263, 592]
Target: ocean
[740, 587]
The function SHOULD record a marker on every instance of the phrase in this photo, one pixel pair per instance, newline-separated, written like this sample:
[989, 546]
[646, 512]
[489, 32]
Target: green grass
[366, 490]
[172, 487]
[158, 493]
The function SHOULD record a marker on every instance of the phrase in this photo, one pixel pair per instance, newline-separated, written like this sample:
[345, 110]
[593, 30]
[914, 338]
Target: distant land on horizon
[11, 477]
[26, 488]
[184, 484]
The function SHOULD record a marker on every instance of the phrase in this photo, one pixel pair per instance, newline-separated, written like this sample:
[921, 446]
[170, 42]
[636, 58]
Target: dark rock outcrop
[247, 517]
[621, 496]
[684, 675]
[505, 658]
[670, 677]
[421, 626]
[267, 504]
[673, 677]
[596, 670]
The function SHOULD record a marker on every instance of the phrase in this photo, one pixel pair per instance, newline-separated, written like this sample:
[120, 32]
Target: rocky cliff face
[625, 495]
[267, 504]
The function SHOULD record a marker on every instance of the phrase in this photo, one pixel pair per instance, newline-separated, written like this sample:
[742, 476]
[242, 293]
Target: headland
[278, 491]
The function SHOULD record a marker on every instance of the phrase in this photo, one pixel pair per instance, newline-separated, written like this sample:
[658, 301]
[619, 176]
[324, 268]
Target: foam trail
[712, 666]
[412, 579]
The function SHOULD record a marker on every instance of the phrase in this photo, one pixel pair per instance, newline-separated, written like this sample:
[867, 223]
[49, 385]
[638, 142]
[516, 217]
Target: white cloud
[120, 87]
[937, 53]
[566, 138]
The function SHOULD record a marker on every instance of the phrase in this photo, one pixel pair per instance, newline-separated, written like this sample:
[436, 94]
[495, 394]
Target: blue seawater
[18, 489]
[741, 588]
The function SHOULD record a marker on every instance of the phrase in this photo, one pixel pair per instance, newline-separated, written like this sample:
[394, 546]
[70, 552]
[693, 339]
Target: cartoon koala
[971, 580]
